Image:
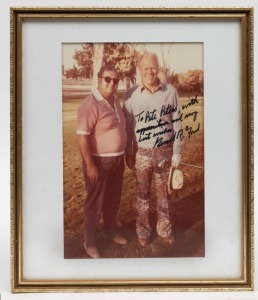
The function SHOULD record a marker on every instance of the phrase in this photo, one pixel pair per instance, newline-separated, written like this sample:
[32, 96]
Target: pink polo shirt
[105, 126]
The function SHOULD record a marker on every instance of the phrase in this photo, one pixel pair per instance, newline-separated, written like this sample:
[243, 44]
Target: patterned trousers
[155, 162]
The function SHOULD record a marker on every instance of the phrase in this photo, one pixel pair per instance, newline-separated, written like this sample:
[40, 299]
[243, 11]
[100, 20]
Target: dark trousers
[103, 196]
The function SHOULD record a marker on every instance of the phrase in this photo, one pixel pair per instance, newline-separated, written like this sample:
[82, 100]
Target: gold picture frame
[21, 282]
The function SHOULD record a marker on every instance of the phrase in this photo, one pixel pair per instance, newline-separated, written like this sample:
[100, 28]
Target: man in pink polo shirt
[101, 132]
[154, 142]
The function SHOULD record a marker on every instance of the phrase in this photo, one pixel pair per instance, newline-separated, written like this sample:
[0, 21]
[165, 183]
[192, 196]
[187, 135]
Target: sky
[180, 57]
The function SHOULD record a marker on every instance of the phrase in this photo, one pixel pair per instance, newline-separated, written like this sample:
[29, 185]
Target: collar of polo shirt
[160, 86]
[96, 93]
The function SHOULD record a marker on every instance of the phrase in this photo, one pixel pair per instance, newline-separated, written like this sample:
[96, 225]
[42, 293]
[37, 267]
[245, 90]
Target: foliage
[121, 55]
[124, 57]
[190, 81]
[73, 73]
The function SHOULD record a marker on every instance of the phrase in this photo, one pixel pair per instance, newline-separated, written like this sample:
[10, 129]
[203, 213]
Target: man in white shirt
[154, 141]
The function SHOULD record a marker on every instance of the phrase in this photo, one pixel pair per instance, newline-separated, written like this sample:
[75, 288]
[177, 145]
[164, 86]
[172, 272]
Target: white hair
[149, 55]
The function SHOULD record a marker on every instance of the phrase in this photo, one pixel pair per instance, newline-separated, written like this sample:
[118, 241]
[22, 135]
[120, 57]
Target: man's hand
[130, 161]
[85, 150]
[92, 172]
[176, 158]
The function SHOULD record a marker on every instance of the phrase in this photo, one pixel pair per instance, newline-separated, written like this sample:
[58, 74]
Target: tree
[164, 62]
[124, 58]
[97, 63]
[73, 73]
[192, 80]
[174, 79]
[188, 82]
[120, 55]
[84, 59]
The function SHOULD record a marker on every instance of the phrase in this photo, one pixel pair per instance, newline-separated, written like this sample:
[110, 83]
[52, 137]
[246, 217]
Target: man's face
[149, 71]
[106, 83]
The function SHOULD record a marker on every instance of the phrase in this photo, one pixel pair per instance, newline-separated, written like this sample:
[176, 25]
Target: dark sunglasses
[108, 79]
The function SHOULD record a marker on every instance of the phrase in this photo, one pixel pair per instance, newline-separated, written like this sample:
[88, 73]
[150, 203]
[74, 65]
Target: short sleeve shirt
[105, 125]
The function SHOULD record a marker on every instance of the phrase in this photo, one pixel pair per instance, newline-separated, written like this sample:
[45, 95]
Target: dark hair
[107, 68]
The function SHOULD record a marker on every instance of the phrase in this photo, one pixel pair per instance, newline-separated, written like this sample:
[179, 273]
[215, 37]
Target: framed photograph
[132, 149]
[187, 77]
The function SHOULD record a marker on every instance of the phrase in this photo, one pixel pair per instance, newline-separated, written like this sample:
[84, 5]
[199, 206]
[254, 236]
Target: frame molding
[21, 14]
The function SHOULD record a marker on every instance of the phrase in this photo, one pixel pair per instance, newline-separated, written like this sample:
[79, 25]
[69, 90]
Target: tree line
[124, 56]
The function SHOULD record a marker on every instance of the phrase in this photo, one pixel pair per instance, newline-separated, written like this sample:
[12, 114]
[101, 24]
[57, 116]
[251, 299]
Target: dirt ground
[187, 203]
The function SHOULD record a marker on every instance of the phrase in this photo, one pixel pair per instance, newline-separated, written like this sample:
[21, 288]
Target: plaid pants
[155, 161]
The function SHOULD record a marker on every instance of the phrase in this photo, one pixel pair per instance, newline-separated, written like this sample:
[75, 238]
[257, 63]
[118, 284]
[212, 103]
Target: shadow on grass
[188, 230]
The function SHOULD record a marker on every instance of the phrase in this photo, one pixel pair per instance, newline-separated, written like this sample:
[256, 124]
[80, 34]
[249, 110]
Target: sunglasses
[108, 79]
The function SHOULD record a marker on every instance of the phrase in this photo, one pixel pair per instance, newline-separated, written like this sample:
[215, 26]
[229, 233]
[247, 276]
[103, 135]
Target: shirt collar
[159, 87]
[97, 94]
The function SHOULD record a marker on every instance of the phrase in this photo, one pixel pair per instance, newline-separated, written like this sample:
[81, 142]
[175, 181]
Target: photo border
[245, 16]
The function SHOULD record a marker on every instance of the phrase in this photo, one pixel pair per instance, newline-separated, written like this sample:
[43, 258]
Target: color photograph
[133, 150]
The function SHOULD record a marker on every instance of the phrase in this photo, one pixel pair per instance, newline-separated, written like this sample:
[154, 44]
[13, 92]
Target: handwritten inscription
[191, 114]
[191, 102]
[166, 110]
[147, 117]
[160, 142]
[192, 131]
[161, 124]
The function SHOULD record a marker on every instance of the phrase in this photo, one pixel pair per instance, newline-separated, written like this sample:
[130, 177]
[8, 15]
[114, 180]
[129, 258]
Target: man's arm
[129, 155]
[85, 150]
[177, 128]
